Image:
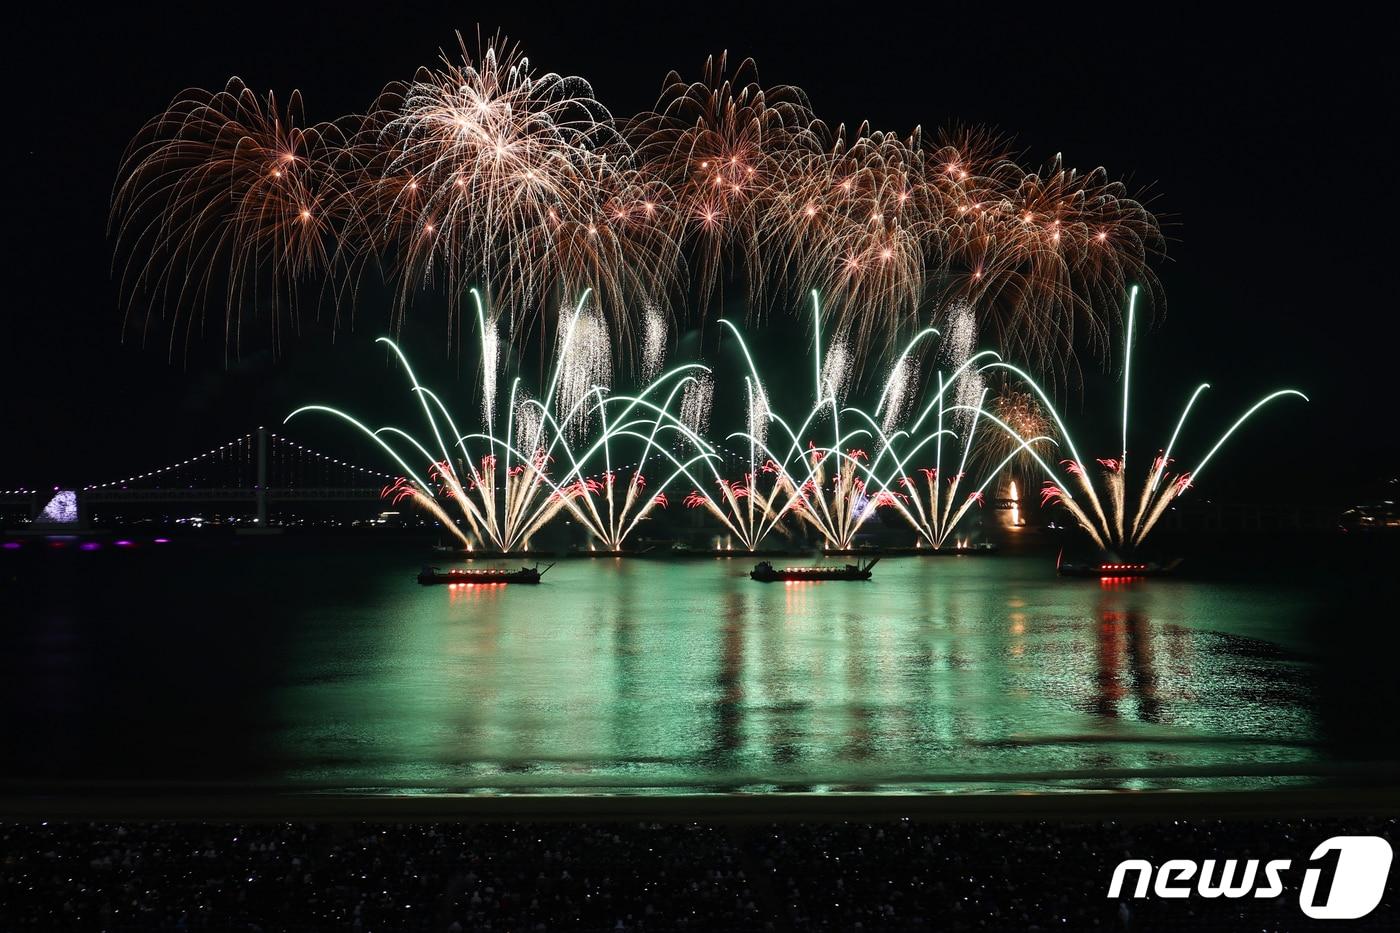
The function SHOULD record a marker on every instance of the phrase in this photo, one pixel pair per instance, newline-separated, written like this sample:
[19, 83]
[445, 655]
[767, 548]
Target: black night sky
[1262, 142]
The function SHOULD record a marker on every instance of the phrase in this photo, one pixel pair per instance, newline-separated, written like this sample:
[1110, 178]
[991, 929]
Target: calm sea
[304, 664]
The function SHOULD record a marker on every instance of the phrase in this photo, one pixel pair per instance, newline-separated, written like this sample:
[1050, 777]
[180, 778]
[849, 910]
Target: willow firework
[483, 171]
[227, 199]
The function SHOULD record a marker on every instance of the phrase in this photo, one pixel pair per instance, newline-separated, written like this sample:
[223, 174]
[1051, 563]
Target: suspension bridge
[256, 470]
[262, 468]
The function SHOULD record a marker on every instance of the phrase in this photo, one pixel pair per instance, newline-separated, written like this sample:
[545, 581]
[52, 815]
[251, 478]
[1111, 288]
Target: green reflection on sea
[960, 674]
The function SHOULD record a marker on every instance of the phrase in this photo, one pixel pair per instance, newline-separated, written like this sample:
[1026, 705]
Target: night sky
[1263, 144]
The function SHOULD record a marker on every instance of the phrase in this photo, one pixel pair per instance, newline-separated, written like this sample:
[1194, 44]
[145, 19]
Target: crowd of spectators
[447, 877]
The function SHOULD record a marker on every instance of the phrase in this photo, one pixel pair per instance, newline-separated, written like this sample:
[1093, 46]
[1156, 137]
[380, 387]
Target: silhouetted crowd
[447, 877]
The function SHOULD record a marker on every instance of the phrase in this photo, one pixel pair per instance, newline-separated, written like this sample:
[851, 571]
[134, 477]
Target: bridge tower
[262, 477]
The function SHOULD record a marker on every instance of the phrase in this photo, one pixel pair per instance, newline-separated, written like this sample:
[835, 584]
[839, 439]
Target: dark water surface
[295, 664]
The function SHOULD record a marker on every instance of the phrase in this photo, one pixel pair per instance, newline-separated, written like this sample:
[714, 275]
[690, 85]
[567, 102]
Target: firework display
[1021, 411]
[508, 486]
[560, 454]
[836, 487]
[519, 198]
[922, 450]
[225, 198]
[483, 171]
[1121, 526]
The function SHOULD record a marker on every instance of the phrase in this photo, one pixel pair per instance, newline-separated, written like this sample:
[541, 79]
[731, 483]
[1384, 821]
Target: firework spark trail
[1113, 478]
[801, 495]
[401, 490]
[832, 487]
[483, 171]
[935, 519]
[918, 504]
[1116, 531]
[490, 361]
[836, 486]
[836, 370]
[481, 516]
[653, 342]
[638, 504]
[528, 424]
[901, 385]
[933, 512]
[751, 511]
[507, 494]
[528, 505]
[594, 503]
[960, 344]
[511, 491]
[758, 409]
[536, 498]
[799, 484]
[585, 361]
[724, 146]
[697, 403]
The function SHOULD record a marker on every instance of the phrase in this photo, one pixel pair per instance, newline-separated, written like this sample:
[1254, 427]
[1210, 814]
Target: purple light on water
[123, 543]
[162, 540]
[90, 546]
[12, 545]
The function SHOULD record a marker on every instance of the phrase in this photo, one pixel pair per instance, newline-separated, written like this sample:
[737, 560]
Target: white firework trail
[490, 367]
[585, 363]
[759, 411]
[528, 421]
[490, 360]
[653, 342]
[968, 398]
[902, 385]
[961, 339]
[836, 369]
[958, 346]
[697, 400]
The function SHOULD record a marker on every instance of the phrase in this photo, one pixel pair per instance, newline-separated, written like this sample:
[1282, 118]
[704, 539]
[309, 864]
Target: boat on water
[1110, 568]
[765, 572]
[432, 576]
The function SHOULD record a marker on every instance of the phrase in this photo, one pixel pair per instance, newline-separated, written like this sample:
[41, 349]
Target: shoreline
[1082, 807]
